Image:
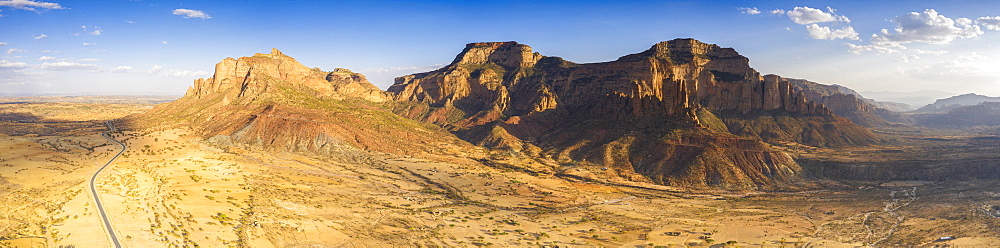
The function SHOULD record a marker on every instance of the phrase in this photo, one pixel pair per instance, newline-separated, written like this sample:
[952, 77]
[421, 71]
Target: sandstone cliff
[847, 103]
[249, 77]
[503, 95]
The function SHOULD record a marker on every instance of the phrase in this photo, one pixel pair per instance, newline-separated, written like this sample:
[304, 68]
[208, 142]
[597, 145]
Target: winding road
[93, 188]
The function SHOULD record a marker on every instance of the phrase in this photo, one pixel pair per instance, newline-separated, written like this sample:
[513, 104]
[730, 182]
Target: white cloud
[12, 65]
[806, 15]
[883, 48]
[83, 26]
[907, 58]
[927, 27]
[190, 13]
[749, 11]
[49, 51]
[89, 44]
[3, 43]
[934, 52]
[66, 66]
[160, 70]
[14, 50]
[991, 23]
[180, 73]
[825, 33]
[40, 36]
[29, 5]
[46, 58]
[13, 73]
[965, 67]
[96, 32]
[88, 60]
[164, 42]
[778, 12]
[130, 22]
[122, 69]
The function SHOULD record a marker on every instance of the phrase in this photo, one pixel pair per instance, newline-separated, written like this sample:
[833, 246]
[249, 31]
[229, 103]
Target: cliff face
[504, 95]
[847, 103]
[508, 79]
[250, 77]
[272, 102]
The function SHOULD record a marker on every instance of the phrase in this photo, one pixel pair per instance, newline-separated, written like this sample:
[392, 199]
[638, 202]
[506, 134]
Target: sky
[160, 47]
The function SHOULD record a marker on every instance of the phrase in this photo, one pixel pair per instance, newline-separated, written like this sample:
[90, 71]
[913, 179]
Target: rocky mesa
[681, 113]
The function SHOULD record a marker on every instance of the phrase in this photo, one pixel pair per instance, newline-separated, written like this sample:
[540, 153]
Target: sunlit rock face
[682, 112]
[255, 75]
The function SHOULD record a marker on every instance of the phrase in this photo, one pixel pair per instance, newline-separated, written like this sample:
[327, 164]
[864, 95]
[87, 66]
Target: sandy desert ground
[172, 189]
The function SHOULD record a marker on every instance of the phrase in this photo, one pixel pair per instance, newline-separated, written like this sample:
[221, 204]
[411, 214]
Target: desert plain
[173, 189]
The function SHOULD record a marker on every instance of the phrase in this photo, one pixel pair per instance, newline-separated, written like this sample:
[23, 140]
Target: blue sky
[159, 47]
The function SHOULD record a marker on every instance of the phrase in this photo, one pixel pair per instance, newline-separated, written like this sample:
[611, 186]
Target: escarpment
[680, 113]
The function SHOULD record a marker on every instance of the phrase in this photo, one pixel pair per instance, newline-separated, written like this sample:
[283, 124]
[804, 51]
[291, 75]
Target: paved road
[93, 188]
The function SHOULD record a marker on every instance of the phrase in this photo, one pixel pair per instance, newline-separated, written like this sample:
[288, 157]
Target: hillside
[272, 102]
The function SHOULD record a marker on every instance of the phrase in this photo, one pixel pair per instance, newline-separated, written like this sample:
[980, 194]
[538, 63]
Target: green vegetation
[712, 122]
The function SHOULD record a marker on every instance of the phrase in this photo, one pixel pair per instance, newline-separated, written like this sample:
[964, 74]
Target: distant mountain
[120, 99]
[682, 113]
[914, 99]
[947, 104]
[983, 114]
[848, 103]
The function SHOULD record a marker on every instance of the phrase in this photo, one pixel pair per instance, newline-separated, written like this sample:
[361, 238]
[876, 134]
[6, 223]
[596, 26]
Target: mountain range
[682, 113]
[950, 103]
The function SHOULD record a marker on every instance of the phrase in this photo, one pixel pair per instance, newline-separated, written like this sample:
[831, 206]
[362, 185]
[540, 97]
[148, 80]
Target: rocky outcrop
[504, 95]
[847, 103]
[260, 74]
